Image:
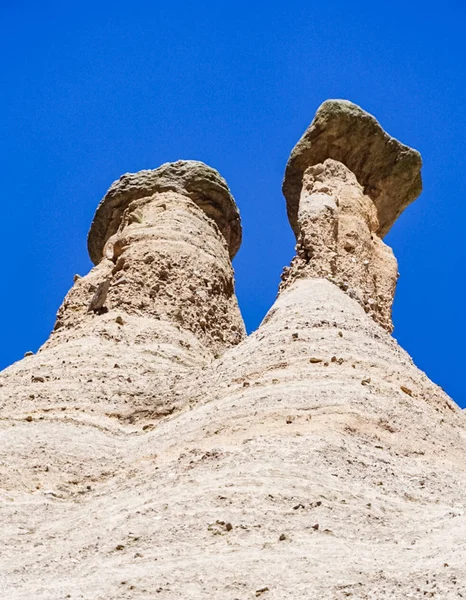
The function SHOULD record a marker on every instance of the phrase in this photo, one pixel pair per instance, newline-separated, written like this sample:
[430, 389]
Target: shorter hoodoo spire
[162, 242]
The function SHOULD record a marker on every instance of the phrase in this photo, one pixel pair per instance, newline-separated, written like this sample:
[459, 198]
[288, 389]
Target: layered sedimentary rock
[311, 459]
[159, 302]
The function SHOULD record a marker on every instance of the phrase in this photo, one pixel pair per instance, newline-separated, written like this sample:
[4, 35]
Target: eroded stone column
[345, 184]
[162, 242]
[337, 240]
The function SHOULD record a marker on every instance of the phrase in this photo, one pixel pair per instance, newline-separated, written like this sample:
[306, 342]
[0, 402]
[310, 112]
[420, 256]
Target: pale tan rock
[311, 459]
[337, 225]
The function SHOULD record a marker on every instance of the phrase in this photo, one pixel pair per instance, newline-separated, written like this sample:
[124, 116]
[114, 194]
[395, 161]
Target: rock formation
[160, 300]
[151, 449]
[388, 171]
[345, 184]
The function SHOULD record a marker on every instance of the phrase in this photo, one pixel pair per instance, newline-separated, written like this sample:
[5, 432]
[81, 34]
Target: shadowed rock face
[388, 171]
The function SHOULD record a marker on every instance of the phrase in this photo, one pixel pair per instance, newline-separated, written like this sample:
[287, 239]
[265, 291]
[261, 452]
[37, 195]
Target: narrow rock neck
[167, 262]
[337, 241]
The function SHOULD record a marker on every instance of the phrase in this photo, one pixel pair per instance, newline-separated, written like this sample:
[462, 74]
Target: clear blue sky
[91, 90]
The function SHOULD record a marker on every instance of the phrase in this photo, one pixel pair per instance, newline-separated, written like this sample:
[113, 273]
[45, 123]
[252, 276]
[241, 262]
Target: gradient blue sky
[91, 91]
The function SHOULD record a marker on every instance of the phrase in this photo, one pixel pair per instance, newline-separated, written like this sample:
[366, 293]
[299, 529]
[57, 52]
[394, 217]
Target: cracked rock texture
[151, 450]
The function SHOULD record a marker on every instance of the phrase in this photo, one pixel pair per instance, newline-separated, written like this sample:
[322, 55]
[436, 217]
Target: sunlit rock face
[162, 242]
[151, 449]
[337, 239]
[388, 171]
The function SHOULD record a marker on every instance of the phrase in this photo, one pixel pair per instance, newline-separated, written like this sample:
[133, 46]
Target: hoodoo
[345, 184]
[160, 300]
[151, 449]
[162, 242]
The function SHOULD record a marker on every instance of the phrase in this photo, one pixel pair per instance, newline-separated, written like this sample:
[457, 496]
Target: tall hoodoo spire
[345, 184]
[160, 301]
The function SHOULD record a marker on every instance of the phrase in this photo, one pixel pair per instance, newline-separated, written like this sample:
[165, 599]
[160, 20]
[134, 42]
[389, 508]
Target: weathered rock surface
[159, 303]
[388, 171]
[199, 182]
[144, 456]
[337, 239]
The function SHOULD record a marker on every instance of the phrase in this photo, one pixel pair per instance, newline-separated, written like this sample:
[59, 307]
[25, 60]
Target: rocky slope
[151, 450]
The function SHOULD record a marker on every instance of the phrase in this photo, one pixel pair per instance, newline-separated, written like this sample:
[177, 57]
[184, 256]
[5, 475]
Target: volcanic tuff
[150, 449]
